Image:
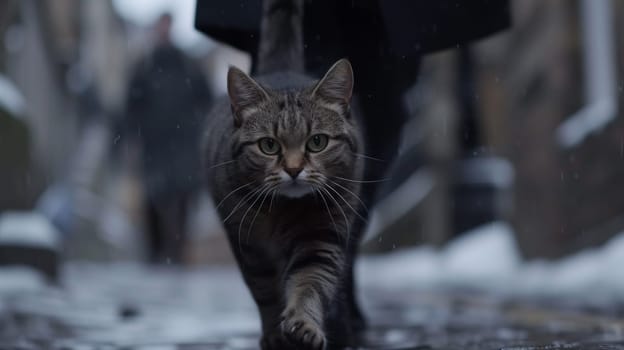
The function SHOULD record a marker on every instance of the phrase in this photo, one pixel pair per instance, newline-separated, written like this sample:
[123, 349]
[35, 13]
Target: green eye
[269, 146]
[317, 143]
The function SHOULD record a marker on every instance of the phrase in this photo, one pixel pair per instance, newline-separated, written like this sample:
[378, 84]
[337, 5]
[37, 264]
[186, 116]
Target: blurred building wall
[531, 80]
[593, 172]
[105, 53]
[31, 64]
[538, 70]
[59, 52]
[528, 81]
[15, 191]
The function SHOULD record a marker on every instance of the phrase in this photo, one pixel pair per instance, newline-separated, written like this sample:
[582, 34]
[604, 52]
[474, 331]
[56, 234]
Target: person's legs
[154, 230]
[383, 113]
[166, 227]
[381, 79]
[174, 217]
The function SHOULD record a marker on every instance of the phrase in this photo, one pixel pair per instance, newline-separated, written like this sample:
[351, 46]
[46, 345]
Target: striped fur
[292, 250]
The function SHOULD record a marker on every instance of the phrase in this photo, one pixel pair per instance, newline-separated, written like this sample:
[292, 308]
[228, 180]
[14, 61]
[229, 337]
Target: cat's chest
[289, 220]
[279, 220]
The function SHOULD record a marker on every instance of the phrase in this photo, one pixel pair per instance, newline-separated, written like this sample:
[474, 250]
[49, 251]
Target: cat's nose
[293, 172]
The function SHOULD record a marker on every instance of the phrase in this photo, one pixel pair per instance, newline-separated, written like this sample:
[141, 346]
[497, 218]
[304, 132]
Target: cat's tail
[281, 37]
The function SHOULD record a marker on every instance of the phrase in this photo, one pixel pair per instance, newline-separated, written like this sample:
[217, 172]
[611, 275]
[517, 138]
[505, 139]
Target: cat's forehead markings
[281, 102]
[291, 126]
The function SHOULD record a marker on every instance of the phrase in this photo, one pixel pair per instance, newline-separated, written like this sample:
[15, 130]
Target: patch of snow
[10, 97]
[594, 273]
[484, 256]
[487, 259]
[174, 305]
[403, 269]
[28, 229]
[19, 280]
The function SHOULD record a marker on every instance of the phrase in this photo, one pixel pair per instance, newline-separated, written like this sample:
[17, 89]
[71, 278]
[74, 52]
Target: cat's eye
[269, 146]
[317, 143]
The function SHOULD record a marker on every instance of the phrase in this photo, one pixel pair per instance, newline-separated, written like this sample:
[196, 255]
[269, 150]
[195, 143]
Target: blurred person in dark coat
[167, 98]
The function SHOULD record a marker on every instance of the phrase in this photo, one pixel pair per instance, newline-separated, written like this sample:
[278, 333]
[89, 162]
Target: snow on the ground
[166, 305]
[177, 304]
[488, 259]
[10, 97]
[28, 229]
[17, 279]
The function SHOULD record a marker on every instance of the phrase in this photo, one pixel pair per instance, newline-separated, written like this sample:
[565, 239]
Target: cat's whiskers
[232, 192]
[346, 221]
[257, 197]
[266, 193]
[346, 202]
[331, 217]
[245, 200]
[360, 181]
[274, 192]
[351, 192]
[367, 157]
[322, 185]
[222, 164]
[272, 178]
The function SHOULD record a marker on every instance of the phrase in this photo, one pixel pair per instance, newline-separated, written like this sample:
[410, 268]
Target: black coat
[338, 28]
[167, 99]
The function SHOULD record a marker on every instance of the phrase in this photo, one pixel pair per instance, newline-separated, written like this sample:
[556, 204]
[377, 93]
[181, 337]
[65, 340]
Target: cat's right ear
[245, 94]
[336, 87]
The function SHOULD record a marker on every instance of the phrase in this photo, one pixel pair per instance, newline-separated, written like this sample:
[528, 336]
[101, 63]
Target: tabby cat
[281, 165]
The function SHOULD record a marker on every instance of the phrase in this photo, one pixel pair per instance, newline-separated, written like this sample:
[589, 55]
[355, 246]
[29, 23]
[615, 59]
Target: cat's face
[295, 141]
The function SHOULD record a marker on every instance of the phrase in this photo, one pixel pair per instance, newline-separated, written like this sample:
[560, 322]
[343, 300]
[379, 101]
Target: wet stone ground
[134, 308]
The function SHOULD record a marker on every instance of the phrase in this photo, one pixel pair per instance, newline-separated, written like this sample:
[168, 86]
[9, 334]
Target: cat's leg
[357, 321]
[312, 278]
[261, 276]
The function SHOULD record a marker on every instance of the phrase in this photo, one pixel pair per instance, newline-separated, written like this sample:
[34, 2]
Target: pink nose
[293, 172]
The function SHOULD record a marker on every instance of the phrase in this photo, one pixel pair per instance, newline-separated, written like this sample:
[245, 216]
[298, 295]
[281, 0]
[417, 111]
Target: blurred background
[523, 126]
[510, 172]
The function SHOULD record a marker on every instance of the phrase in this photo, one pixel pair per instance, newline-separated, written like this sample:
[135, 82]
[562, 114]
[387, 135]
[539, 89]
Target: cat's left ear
[245, 94]
[336, 87]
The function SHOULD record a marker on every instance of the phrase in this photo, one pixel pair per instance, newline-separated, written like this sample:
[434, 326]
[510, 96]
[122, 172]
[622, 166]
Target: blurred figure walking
[167, 99]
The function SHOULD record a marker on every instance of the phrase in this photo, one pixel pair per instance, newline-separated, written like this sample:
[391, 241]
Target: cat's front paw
[302, 331]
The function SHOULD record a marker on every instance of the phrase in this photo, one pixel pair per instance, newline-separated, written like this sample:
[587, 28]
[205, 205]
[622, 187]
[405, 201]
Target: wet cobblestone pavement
[134, 308]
